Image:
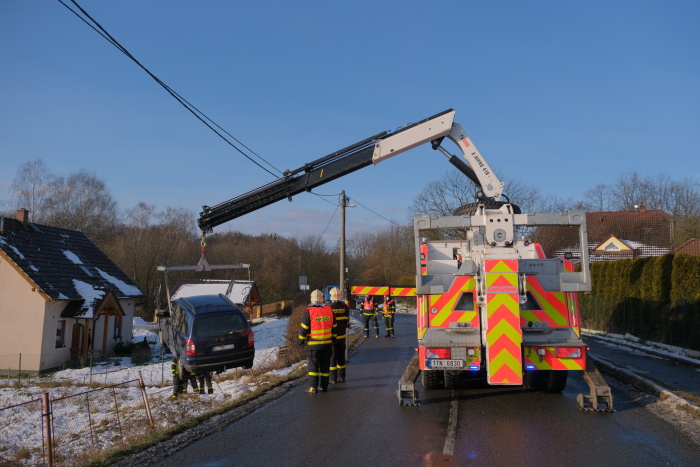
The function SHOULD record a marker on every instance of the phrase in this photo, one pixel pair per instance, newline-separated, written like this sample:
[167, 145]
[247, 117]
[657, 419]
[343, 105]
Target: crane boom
[369, 151]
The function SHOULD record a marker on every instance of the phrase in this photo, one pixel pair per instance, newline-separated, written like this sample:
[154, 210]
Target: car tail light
[189, 347]
[567, 352]
[251, 339]
[438, 353]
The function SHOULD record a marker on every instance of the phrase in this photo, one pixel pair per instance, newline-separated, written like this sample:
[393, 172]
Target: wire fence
[118, 407]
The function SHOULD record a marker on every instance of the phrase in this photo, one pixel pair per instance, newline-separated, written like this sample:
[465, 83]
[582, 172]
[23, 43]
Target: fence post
[46, 409]
[145, 399]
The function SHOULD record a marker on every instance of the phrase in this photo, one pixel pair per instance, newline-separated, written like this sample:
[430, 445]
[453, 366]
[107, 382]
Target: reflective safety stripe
[313, 373]
[315, 342]
[304, 326]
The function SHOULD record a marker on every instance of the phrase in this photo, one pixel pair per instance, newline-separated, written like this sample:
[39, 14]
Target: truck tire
[451, 379]
[432, 379]
[535, 380]
[556, 380]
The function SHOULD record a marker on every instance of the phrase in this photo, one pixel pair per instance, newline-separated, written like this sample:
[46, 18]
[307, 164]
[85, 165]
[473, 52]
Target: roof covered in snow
[239, 292]
[63, 264]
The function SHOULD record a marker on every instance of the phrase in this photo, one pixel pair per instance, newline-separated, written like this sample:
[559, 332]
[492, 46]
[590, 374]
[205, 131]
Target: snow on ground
[21, 427]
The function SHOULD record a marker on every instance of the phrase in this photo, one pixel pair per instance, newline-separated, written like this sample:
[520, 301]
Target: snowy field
[85, 419]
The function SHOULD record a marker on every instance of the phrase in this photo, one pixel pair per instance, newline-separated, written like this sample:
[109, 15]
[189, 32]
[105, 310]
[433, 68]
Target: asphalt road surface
[361, 422]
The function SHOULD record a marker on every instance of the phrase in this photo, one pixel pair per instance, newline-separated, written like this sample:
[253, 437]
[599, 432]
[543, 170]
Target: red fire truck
[487, 299]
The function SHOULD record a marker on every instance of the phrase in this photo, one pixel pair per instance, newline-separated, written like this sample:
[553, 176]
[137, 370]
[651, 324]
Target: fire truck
[488, 301]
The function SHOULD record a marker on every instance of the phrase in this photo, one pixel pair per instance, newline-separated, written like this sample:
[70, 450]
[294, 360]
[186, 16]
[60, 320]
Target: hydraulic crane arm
[366, 152]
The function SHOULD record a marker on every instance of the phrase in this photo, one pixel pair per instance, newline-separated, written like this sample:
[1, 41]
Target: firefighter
[205, 378]
[177, 382]
[317, 330]
[341, 314]
[388, 311]
[369, 312]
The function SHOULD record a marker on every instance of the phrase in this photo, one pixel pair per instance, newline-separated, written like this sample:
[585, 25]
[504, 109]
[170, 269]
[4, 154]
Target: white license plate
[453, 364]
[216, 348]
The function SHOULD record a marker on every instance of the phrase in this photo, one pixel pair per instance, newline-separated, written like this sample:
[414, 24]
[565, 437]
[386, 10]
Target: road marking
[451, 427]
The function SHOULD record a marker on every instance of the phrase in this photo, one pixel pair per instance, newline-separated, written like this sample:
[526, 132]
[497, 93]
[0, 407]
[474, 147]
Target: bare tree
[81, 201]
[32, 188]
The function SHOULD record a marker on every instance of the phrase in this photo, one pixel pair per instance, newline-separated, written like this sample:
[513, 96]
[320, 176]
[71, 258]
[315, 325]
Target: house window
[60, 333]
[117, 326]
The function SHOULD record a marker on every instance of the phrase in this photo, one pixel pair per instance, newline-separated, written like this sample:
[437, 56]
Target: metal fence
[71, 429]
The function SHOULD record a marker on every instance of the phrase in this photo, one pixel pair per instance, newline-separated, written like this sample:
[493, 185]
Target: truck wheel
[450, 379]
[432, 379]
[181, 371]
[535, 380]
[556, 380]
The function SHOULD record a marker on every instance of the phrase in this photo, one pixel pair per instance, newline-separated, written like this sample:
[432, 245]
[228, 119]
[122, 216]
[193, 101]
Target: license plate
[216, 348]
[453, 364]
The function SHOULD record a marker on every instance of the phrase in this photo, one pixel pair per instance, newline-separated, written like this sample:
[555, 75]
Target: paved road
[679, 376]
[361, 423]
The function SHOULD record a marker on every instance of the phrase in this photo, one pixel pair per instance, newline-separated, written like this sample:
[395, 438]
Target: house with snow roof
[612, 235]
[61, 297]
[243, 293]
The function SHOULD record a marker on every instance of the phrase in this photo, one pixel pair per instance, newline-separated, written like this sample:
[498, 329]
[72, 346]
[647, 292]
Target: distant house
[243, 293]
[60, 296]
[612, 235]
[691, 247]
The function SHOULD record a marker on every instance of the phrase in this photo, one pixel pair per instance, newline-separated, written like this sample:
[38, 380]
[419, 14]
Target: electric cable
[201, 116]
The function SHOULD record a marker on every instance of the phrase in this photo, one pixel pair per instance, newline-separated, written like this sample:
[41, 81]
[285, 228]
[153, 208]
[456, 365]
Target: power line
[201, 116]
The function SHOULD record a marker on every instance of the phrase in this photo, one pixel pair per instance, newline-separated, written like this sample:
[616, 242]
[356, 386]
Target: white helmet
[316, 296]
[335, 294]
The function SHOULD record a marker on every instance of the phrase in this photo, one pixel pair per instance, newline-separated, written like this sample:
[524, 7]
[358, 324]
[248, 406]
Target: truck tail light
[438, 353]
[189, 347]
[251, 339]
[567, 352]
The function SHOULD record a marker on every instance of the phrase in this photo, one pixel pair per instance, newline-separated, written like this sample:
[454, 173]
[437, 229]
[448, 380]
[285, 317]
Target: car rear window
[215, 325]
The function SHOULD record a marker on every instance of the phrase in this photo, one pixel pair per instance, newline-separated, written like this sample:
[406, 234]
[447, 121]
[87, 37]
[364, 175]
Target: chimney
[643, 206]
[23, 216]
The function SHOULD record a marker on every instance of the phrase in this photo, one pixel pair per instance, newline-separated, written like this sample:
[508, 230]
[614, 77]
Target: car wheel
[248, 365]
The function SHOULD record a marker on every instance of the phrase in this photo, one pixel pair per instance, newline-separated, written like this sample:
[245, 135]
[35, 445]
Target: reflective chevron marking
[503, 335]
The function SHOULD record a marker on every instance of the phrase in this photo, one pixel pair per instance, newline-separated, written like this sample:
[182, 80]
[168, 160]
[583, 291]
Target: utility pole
[342, 244]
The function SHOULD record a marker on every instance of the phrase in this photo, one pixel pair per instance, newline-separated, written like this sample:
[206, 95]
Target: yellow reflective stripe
[302, 337]
[319, 342]
[338, 318]
[325, 374]
[313, 373]
[304, 326]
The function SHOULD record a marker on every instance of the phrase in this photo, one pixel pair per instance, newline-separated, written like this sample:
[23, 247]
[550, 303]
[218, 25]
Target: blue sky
[564, 95]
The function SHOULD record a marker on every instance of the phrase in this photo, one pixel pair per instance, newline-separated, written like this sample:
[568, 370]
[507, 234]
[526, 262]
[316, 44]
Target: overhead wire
[201, 116]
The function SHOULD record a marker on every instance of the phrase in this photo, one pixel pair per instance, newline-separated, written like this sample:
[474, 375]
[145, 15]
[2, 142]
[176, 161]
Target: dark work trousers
[318, 364]
[338, 362]
[205, 378]
[389, 325]
[367, 318]
[177, 382]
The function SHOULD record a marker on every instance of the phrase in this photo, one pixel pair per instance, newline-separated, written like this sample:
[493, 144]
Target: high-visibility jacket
[368, 307]
[389, 308]
[318, 325]
[341, 313]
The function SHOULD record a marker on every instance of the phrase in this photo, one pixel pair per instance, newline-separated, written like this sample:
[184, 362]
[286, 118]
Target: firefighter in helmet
[369, 312]
[388, 311]
[317, 330]
[341, 313]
